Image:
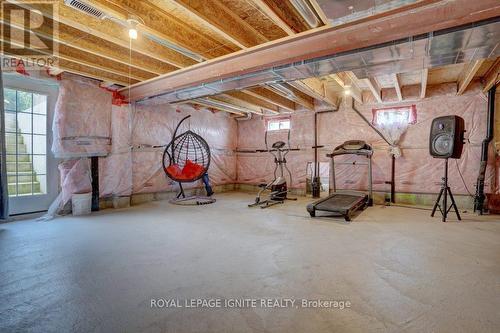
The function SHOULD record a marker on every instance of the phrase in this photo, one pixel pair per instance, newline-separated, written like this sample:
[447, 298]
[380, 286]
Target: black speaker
[447, 137]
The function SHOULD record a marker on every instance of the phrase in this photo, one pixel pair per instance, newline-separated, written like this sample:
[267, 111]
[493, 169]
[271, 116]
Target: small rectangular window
[278, 124]
[394, 116]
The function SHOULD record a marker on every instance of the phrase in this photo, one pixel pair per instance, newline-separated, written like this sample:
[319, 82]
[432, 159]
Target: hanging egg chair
[186, 159]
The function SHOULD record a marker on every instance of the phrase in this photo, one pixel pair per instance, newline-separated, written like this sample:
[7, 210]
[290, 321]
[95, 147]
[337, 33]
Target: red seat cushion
[174, 170]
[192, 170]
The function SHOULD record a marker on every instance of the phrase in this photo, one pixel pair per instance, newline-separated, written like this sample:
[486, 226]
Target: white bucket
[81, 204]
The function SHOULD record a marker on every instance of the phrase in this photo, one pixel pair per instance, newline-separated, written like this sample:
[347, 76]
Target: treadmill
[346, 204]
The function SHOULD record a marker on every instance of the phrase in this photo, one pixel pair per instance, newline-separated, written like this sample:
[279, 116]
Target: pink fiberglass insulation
[75, 178]
[416, 170]
[82, 119]
[115, 170]
[139, 135]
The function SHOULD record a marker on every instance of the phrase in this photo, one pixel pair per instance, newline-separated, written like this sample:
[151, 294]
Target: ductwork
[87, 8]
[341, 12]
[304, 8]
[440, 48]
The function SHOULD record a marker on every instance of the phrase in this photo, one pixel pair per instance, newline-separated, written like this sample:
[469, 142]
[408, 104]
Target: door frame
[38, 202]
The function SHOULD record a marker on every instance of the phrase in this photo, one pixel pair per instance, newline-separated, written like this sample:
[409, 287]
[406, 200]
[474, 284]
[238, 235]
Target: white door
[31, 170]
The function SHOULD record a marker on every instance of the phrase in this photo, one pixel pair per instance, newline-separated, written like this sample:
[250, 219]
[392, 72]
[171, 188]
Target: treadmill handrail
[362, 152]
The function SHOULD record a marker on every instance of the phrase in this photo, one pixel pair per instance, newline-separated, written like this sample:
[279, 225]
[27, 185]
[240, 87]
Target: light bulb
[132, 33]
[347, 91]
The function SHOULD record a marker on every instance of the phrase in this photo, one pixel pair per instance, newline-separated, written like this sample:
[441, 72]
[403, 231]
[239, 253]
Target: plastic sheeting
[416, 170]
[82, 119]
[75, 178]
[140, 134]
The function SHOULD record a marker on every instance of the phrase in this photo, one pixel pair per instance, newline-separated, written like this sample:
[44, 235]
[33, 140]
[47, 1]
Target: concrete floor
[400, 269]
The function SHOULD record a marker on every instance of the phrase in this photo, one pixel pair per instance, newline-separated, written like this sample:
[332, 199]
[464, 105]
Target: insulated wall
[139, 135]
[82, 119]
[416, 170]
[130, 141]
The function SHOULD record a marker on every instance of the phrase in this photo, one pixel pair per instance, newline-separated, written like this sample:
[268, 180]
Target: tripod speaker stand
[445, 191]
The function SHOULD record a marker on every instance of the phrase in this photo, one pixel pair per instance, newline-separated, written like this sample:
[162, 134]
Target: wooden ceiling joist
[320, 12]
[423, 82]
[238, 103]
[82, 70]
[492, 76]
[316, 89]
[302, 98]
[165, 25]
[284, 14]
[414, 19]
[397, 86]
[224, 22]
[269, 12]
[209, 102]
[374, 88]
[249, 98]
[467, 75]
[121, 75]
[348, 82]
[116, 33]
[272, 97]
[79, 40]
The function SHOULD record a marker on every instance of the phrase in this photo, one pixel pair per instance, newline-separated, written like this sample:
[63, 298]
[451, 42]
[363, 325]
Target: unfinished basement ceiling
[175, 35]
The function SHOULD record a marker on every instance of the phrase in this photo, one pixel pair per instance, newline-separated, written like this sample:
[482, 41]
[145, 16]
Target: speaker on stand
[446, 141]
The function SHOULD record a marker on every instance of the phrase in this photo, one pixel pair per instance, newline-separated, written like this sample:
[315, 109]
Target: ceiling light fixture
[132, 30]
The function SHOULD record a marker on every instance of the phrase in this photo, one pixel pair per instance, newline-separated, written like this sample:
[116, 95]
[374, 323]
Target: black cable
[463, 181]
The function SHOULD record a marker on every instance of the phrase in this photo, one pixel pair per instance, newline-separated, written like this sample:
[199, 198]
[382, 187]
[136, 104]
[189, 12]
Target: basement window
[394, 116]
[278, 124]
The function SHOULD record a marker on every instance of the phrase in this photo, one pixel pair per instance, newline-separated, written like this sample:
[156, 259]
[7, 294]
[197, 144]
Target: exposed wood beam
[74, 68]
[243, 105]
[287, 13]
[165, 25]
[107, 67]
[316, 89]
[257, 102]
[492, 76]
[208, 102]
[294, 94]
[468, 74]
[301, 98]
[222, 20]
[414, 19]
[348, 82]
[116, 33]
[75, 28]
[423, 82]
[269, 12]
[397, 86]
[79, 66]
[272, 97]
[82, 41]
[374, 88]
[320, 12]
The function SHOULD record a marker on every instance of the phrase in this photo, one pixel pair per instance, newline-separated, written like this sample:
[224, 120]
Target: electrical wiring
[463, 180]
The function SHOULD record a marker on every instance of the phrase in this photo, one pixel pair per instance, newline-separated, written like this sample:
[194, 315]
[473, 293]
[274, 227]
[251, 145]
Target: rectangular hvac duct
[430, 50]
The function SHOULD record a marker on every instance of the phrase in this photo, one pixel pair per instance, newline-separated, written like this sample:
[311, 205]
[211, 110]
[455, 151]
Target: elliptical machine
[278, 187]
